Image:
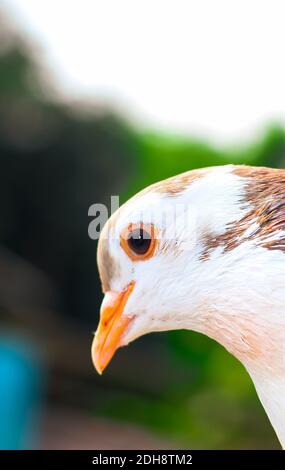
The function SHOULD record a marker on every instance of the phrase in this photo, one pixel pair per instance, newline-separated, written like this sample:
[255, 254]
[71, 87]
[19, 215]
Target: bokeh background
[161, 105]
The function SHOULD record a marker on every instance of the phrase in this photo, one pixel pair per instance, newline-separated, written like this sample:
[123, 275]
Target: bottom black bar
[134, 459]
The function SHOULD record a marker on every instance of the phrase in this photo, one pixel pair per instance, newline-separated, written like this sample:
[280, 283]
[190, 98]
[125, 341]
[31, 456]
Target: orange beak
[111, 327]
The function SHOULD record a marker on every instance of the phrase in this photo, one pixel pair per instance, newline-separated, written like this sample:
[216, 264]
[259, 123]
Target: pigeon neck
[270, 388]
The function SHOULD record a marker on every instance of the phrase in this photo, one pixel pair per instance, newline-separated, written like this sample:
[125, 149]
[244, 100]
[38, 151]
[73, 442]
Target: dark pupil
[139, 241]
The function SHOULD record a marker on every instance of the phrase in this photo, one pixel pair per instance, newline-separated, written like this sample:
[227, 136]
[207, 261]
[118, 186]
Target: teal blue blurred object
[21, 386]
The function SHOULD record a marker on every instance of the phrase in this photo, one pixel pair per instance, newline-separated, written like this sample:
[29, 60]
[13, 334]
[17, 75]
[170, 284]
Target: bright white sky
[213, 68]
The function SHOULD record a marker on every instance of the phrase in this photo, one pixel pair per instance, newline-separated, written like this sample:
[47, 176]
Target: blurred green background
[166, 390]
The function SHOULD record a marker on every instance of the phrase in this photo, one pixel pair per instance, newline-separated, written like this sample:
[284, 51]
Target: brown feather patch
[178, 184]
[175, 184]
[265, 192]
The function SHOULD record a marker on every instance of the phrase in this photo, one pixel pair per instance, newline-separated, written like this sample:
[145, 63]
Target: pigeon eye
[139, 241]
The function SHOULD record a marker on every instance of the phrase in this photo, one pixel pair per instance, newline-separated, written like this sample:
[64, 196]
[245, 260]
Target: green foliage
[158, 156]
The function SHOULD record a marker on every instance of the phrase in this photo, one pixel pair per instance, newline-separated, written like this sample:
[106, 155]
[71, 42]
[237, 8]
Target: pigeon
[202, 251]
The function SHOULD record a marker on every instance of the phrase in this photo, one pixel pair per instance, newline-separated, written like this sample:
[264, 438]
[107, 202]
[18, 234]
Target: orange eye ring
[139, 241]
